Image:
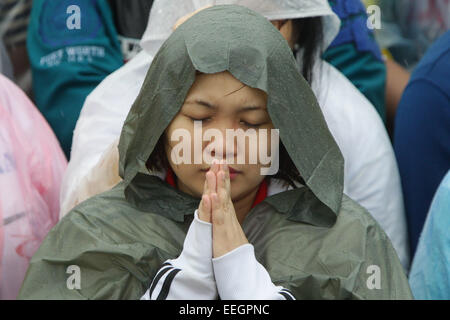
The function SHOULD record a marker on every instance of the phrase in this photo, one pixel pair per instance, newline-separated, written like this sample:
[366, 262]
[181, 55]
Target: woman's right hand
[205, 207]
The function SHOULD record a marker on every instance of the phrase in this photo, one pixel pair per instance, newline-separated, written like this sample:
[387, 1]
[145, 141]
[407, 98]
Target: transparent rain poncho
[165, 14]
[31, 169]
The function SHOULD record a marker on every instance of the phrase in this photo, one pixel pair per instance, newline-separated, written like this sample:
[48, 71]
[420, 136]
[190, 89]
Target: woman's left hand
[227, 231]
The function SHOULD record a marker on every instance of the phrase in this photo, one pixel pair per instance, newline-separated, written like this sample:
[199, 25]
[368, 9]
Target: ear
[287, 30]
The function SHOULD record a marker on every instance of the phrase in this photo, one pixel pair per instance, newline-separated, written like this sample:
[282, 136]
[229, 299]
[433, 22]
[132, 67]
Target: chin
[239, 192]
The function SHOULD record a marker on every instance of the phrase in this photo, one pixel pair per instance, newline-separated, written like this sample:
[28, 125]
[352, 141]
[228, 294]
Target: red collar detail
[170, 178]
[260, 195]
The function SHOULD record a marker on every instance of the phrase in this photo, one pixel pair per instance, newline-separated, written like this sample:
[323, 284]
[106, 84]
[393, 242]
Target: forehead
[223, 86]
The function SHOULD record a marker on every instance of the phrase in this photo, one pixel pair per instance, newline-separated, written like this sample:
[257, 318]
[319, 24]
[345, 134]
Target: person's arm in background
[396, 80]
[398, 51]
[72, 48]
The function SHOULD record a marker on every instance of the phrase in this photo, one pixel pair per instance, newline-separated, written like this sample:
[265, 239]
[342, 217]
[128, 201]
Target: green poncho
[312, 240]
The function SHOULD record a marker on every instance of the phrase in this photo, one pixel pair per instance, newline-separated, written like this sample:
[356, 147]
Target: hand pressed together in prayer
[216, 207]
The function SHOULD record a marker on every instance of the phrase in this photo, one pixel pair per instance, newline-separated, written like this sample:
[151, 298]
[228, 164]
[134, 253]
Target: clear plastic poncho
[165, 14]
[31, 169]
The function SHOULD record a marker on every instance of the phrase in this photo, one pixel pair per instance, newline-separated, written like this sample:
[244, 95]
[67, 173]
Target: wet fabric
[371, 175]
[71, 50]
[313, 240]
[158, 30]
[422, 134]
[31, 167]
[356, 54]
[430, 272]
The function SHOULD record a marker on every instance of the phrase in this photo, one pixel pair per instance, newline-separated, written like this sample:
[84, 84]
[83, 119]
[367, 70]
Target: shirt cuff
[197, 249]
[239, 276]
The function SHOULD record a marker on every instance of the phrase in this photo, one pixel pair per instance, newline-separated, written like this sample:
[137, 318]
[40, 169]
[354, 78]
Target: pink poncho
[31, 168]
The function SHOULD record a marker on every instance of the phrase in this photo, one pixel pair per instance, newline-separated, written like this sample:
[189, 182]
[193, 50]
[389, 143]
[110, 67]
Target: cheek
[259, 151]
[178, 125]
[268, 148]
[179, 140]
[253, 175]
[246, 183]
[189, 177]
[188, 174]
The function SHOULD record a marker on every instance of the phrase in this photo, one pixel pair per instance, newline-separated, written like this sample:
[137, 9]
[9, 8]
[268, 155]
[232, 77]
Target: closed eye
[251, 125]
[199, 119]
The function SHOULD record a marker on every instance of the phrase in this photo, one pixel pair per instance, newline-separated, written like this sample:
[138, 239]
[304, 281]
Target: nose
[218, 146]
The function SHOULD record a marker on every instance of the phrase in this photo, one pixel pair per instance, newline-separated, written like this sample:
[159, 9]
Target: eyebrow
[202, 103]
[214, 107]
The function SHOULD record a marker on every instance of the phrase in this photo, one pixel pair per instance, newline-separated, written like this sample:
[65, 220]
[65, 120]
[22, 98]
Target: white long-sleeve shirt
[196, 275]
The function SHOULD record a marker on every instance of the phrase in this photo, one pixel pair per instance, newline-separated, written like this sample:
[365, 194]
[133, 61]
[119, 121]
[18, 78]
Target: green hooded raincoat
[313, 240]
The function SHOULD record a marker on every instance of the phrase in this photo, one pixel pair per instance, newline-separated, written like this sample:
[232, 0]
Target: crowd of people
[91, 91]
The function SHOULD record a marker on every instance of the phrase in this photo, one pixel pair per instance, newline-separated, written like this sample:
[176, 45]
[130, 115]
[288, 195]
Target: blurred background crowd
[70, 70]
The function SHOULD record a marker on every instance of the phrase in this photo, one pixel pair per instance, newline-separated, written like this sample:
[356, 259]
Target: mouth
[233, 172]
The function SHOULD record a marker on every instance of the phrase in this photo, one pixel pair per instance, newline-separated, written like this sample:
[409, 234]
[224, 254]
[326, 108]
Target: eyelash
[242, 122]
[250, 125]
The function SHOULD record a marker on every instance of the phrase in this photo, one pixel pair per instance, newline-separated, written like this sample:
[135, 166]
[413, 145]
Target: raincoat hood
[165, 13]
[247, 45]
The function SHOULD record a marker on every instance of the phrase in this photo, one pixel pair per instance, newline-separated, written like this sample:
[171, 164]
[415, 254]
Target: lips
[233, 172]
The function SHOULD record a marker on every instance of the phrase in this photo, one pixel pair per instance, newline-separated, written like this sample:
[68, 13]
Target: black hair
[308, 37]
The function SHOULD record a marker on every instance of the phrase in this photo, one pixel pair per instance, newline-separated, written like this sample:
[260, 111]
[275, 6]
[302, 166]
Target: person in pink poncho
[31, 168]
